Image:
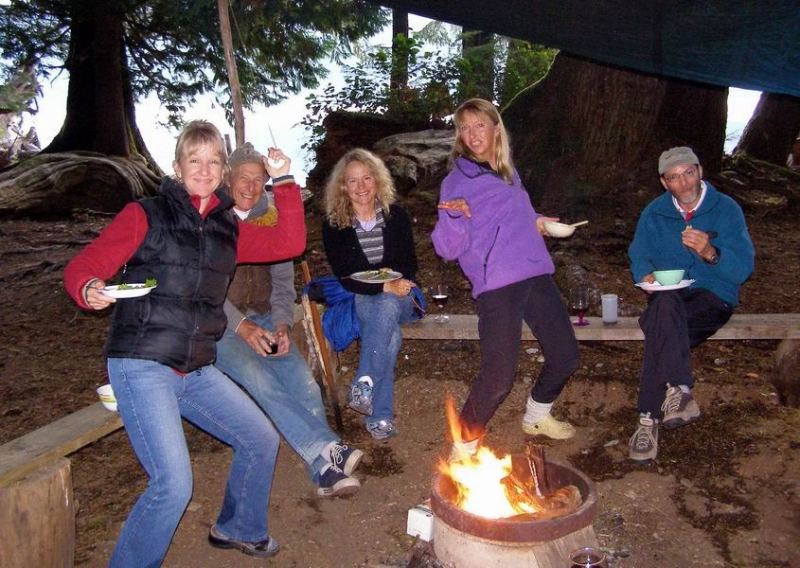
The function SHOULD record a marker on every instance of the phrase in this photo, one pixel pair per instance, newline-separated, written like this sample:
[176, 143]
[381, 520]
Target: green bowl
[669, 277]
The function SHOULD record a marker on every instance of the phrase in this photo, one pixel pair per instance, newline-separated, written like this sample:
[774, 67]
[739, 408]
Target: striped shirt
[371, 240]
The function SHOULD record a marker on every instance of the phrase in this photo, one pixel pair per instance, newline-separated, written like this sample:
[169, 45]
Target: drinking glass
[579, 302]
[588, 557]
[440, 294]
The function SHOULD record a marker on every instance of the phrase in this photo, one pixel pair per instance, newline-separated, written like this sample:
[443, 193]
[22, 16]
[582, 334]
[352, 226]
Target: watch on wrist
[714, 258]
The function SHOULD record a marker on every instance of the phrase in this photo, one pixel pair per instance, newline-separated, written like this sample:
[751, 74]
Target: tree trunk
[399, 74]
[100, 115]
[589, 131]
[771, 130]
[95, 120]
[477, 73]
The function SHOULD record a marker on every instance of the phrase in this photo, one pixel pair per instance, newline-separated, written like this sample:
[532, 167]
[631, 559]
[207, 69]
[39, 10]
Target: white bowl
[107, 397]
[558, 230]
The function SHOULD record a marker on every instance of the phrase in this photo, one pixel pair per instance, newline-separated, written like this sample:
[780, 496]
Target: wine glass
[579, 302]
[440, 294]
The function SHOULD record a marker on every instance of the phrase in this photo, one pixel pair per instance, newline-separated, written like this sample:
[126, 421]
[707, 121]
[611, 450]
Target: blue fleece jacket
[499, 245]
[657, 244]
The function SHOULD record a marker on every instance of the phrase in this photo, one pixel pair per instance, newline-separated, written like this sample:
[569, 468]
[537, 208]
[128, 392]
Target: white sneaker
[550, 427]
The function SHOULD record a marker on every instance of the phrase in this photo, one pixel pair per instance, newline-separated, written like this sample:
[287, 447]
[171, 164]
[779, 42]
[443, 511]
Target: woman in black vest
[161, 345]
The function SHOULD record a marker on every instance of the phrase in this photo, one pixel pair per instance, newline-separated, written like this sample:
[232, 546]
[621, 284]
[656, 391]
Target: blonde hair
[338, 208]
[196, 133]
[502, 147]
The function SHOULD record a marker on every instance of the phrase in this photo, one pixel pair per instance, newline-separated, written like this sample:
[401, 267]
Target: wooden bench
[37, 510]
[740, 326]
[783, 327]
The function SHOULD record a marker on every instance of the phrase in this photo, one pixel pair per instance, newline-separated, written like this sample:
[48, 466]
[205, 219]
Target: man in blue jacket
[693, 227]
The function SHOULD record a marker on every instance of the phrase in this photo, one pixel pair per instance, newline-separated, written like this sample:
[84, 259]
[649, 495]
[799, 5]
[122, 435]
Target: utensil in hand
[579, 223]
[271, 161]
[579, 301]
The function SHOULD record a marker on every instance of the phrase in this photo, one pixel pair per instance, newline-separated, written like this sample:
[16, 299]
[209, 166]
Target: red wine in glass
[579, 301]
[440, 295]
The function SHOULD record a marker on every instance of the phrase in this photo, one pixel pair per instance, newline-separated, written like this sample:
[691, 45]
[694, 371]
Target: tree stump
[37, 516]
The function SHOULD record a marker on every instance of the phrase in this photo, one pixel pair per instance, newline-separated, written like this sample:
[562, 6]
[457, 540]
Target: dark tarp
[752, 44]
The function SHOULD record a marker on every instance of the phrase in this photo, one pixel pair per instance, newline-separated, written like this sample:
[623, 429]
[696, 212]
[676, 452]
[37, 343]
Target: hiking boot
[643, 445]
[382, 429]
[679, 408]
[334, 483]
[361, 396]
[550, 427]
[262, 549]
[345, 458]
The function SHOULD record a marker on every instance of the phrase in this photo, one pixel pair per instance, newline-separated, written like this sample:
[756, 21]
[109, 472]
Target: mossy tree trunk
[771, 130]
[589, 132]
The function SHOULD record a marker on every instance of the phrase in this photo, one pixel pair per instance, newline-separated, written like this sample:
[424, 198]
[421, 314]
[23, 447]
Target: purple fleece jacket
[499, 245]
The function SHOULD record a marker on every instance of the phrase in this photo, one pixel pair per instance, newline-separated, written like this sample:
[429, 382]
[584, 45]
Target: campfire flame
[483, 480]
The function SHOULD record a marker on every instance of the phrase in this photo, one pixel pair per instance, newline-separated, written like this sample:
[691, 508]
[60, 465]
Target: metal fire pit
[468, 540]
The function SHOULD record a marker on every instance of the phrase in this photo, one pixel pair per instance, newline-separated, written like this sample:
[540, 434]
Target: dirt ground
[724, 492]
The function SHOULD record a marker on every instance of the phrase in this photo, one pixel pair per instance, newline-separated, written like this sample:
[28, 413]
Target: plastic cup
[106, 394]
[608, 303]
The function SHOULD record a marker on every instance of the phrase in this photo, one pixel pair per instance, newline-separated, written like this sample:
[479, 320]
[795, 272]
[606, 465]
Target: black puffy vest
[193, 259]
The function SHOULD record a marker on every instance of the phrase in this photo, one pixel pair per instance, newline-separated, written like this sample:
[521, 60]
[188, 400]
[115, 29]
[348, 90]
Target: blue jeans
[285, 389]
[380, 317]
[152, 398]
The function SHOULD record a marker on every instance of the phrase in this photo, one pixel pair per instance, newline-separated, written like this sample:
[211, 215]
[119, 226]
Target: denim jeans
[537, 302]
[379, 318]
[152, 398]
[286, 391]
[673, 323]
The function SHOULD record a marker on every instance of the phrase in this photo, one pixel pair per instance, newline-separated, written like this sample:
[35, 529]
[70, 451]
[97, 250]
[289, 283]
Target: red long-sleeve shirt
[103, 257]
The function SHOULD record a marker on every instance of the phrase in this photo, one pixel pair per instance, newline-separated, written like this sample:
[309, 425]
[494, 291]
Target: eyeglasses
[689, 173]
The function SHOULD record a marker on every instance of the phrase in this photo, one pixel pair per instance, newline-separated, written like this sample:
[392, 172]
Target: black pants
[673, 323]
[500, 316]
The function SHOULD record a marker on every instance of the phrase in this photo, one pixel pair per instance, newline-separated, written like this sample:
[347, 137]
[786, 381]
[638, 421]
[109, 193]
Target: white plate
[376, 276]
[656, 287]
[130, 291]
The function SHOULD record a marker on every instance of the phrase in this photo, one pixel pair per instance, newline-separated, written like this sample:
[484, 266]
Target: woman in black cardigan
[365, 230]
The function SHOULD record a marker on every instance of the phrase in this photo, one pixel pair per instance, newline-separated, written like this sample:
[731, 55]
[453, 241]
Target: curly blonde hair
[197, 133]
[502, 145]
[338, 207]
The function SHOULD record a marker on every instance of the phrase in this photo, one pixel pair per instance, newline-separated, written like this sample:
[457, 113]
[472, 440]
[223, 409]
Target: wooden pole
[233, 73]
[324, 353]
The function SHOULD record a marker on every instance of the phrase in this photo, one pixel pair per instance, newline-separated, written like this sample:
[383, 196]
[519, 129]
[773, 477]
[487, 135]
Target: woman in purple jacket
[486, 222]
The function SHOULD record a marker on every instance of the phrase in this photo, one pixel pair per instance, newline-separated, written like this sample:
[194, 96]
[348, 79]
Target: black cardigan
[346, 256]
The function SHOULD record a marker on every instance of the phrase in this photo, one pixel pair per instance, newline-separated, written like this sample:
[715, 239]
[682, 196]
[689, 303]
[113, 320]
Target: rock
[416, 159]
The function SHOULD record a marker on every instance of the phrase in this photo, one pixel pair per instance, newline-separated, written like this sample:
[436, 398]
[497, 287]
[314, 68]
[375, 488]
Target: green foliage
[431, 82]
[438, 80]
[173, 48]
[525, 64]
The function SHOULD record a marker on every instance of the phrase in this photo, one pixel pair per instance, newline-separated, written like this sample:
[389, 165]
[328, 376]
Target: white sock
[326, 451]
[685, 388]
[536, 411]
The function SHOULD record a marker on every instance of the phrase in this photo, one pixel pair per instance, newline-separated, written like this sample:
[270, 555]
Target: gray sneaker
[643, 445]
[360, 398]
[679, 408]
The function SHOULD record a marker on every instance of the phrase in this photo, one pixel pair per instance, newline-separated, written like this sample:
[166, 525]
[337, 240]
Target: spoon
[578, 224]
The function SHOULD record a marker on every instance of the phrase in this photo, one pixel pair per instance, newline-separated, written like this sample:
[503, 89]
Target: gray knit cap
[245, 154]
[674, 157]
